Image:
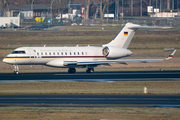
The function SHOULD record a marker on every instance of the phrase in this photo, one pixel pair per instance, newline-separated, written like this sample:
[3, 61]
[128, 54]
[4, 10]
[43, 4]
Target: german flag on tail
[125, 33]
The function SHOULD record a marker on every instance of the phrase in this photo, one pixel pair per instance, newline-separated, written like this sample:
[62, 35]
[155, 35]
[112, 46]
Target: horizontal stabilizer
[146, 27]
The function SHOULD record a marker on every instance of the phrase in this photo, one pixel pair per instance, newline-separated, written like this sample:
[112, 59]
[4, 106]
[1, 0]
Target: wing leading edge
[125, 61]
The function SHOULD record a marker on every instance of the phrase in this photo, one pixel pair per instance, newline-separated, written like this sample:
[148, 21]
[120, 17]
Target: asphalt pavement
[111, 76]
[91, 100]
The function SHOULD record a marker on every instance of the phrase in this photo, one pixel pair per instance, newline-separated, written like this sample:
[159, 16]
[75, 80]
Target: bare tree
[60, 5]
[103, 6]
[87, 4]
[4, 4]
[101, 13]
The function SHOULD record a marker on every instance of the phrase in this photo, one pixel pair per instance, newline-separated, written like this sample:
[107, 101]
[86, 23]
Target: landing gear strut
[90, 70]
[71, 70]
[16, 69]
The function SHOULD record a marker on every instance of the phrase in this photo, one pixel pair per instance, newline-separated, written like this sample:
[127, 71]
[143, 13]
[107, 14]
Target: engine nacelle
[55, 63]
[115, 52]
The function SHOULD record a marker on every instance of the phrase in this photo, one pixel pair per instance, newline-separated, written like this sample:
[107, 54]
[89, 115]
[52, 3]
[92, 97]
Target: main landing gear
[90, 70]
[16, 69]
[71, 70]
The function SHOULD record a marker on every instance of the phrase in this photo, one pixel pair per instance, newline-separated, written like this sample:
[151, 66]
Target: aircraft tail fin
[126, 34]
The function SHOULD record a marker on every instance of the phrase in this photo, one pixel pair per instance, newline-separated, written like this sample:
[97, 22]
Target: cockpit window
[18, 52]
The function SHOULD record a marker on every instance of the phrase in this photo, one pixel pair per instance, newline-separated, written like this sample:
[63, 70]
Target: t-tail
[126, 34]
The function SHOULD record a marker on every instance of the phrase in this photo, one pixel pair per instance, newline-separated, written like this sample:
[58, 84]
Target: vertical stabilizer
[124, 36]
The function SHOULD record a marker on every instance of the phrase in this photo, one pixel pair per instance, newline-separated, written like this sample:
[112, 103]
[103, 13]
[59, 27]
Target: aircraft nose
[8, 61]
[4, 60]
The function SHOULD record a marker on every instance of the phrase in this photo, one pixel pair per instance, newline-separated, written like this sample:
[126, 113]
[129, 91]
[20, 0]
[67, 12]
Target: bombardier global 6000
[87, 57]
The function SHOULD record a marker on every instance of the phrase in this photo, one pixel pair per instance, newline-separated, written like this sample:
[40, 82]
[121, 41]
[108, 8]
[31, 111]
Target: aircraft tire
[16, 72]
[90, 70]
[71, 70]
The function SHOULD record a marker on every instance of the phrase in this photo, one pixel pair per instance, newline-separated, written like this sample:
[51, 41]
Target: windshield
[18, 52]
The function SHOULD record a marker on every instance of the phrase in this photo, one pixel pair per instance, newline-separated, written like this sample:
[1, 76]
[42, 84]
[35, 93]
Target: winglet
[171, 55]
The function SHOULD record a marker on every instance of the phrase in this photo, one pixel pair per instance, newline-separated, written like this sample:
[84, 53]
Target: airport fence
[142, 21]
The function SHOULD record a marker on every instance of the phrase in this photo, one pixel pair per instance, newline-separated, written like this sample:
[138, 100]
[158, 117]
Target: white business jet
[80, 57]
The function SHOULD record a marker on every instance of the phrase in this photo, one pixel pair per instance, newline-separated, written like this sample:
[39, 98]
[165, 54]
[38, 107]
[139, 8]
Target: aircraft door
[38, 55]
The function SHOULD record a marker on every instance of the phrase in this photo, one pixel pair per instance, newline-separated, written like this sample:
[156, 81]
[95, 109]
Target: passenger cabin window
[18, 52]
[49, 53]
[45, 53]
[37, 53]
[57, 53]
[41, 53]
[86, 53]
[82, 53]
[61, 53]
[70, 53]
[74, 53]
[65, 53]
[78, 53]
[53, 53]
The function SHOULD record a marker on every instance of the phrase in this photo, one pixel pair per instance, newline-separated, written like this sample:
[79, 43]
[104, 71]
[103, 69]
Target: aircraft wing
[124, 61]
[117, 61]
[152, 27]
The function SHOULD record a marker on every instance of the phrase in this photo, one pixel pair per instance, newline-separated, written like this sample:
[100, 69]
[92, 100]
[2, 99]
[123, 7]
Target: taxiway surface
[91, 100]
[95, 77]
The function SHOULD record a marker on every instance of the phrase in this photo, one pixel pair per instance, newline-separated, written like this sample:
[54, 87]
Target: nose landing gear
[16, 69]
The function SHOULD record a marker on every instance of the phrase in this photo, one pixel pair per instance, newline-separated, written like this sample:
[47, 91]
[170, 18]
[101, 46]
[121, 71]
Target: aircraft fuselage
[58, 56]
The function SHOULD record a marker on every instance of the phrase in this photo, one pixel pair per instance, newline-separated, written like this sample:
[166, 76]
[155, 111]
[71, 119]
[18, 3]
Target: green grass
[88, 113]
[121, 87]
[140, 40]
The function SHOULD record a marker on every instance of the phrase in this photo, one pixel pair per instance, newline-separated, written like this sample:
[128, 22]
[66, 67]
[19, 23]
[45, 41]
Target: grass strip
[120, 87]
[88, 113]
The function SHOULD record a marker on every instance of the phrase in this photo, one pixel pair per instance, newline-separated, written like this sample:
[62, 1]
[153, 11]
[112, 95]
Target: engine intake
[115, 52]
[105, 51]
